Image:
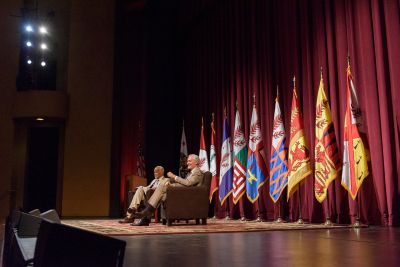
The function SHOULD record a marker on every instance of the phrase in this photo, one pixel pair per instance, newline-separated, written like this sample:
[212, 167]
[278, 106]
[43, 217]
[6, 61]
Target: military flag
[183, 150]
[327, 162]
[355, 154]
[203, 152]
[278, 167]
[213, 161]
[256, 168]
[299, 154]
[226, 165]
[240, 160]
[140, 164]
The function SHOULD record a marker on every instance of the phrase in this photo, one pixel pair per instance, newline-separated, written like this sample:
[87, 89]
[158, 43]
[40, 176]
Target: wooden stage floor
[373, 246]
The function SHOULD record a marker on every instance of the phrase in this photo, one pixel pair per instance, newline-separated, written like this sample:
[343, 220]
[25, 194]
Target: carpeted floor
[112, 227]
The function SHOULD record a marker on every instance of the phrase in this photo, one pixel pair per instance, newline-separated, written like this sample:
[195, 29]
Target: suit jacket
[194, 178]
[155, 183]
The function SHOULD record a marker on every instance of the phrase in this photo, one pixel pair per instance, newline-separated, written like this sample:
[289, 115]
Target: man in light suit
[142, 191]
[195, 177]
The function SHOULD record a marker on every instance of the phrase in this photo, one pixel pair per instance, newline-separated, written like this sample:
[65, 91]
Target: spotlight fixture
[38, 53]
[42, 30]
[29, 28]
[40, 119]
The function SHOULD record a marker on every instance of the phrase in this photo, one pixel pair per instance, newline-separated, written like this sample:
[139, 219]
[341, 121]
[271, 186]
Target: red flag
[203, 152]
[299, 157]
[213, 162]
[355, 154]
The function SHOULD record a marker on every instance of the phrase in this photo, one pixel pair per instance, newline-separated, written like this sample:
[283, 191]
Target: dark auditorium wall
[8, 70]
[84, 31]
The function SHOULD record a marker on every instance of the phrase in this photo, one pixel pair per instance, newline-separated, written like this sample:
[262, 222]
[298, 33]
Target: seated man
[195, 177]
[140, 194]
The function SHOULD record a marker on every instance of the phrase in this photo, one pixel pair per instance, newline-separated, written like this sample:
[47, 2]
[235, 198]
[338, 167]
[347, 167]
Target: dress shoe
[142, 222]
[131, 210]
[126, 220]
[146, 213]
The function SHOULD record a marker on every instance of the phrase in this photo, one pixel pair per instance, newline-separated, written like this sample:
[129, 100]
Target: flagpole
[227, 210]
[300, 220]
[328, 221]
[258, 203]
[227, 200]
[279, 220]
[241, 210]
[214, 197]
[241, 207]
[327, 211]
[357, 224]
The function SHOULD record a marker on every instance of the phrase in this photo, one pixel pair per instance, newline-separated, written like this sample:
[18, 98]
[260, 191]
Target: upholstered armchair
[187, 203]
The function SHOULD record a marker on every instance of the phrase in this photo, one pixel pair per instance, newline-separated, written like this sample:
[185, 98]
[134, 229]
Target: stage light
[43, 63]
[43, 46]
[29, 28]
[29, 62]
[40, 119]
[42, 30]
[29, 44]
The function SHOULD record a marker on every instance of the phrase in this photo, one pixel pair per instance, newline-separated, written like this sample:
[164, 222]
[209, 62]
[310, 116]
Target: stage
[372, 246]
[113, 228]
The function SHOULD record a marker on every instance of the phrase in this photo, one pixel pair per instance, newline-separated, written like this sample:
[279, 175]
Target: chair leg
[156, 215]
[204, 221]
[197, 221]
[164, 221]
[169, 222]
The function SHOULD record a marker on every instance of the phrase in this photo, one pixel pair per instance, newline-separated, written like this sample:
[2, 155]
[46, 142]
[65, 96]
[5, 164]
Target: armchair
[187, 203]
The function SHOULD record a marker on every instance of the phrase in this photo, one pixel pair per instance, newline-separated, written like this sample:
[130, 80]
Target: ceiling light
[42, 30]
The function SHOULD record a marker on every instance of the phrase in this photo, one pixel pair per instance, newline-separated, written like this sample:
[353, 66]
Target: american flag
[141, 167]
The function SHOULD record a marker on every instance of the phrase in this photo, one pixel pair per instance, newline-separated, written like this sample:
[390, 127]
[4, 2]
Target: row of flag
[244, 170]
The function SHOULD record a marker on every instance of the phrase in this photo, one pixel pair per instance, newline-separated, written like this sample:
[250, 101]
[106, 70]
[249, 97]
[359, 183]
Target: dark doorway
[42, 168]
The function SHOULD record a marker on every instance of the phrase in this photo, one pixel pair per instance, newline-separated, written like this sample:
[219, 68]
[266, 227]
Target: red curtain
[233, 49]
[130, 98]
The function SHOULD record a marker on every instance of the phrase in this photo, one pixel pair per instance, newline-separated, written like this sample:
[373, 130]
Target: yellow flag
[327, 163]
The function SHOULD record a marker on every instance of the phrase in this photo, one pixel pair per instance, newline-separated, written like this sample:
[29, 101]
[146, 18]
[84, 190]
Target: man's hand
[171, 176]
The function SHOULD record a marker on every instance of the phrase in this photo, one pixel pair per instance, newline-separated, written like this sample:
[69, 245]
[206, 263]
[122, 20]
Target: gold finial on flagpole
[225, 111]
[294, 86]
[254, 99]
[348, 61]
[321, 73]
[212, 116]
[294, 81]
[202, 121]
[237, 104]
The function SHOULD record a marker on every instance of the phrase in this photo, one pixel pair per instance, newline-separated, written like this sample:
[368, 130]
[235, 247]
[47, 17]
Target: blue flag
[278, 169]
[226, 166]
[256, 168]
